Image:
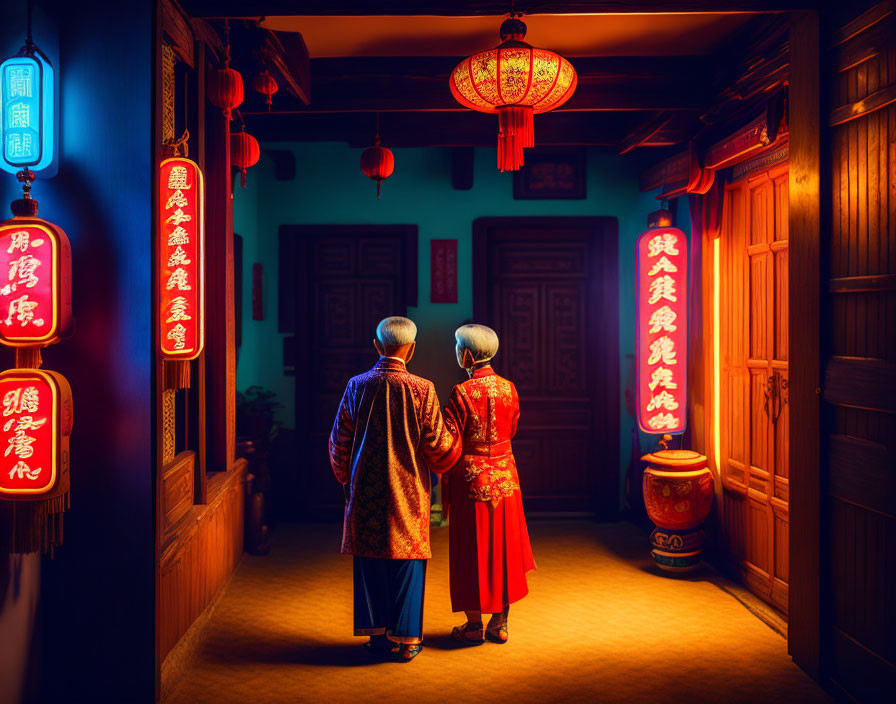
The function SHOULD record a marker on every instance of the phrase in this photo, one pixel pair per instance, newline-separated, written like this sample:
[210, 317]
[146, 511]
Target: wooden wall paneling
[804, 227]
[200, 554]
[858, 612]
[177, 488]
[220, 358]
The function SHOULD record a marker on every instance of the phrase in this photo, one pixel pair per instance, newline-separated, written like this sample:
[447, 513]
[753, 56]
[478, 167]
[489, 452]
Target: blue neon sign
[27, 129]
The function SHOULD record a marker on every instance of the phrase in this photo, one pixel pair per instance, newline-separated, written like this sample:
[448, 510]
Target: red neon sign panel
[35, 283]
[181, 254]
[662, 276]
[35, 425]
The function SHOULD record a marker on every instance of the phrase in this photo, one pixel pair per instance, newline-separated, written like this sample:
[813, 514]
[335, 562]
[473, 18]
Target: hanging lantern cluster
[378, 163]
[244, 152]
[266, 84]
[516, 81]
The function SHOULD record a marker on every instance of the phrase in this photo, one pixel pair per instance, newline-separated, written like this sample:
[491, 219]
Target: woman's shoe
[497, 630]
[469, 634]
[407, 651]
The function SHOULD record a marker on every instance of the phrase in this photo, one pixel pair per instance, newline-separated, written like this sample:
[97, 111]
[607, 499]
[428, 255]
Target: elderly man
[388, 434]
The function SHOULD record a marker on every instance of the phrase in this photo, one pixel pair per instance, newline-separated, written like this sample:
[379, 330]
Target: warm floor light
[716, 360]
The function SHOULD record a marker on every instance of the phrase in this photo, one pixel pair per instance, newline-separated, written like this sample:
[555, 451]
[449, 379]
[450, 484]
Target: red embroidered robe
[489, 549]
[388, 433]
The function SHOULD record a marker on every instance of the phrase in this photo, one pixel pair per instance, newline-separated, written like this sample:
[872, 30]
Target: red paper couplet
[181, 259]
[35, 425]
[662, 276]
[443, 271]
[35, 283]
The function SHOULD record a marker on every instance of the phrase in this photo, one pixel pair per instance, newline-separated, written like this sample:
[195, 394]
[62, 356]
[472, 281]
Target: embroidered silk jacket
[484, 410]
[388, 434]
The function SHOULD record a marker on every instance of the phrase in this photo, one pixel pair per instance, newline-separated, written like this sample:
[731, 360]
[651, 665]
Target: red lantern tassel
[516, 131]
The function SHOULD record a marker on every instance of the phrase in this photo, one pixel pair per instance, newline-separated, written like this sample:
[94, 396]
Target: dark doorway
[337, 282]
[549, 287]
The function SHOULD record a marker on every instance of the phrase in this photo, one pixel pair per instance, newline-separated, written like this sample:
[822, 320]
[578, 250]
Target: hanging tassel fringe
[37, 525]
[516, 131]
[175, 374]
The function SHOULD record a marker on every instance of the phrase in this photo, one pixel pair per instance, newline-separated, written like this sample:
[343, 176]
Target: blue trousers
[389, 598]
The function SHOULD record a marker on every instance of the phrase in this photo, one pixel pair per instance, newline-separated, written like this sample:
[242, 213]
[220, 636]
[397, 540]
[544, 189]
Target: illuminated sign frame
[60, 303]
[59, 426]
[192, 251]
[661, 319]
[44, 136]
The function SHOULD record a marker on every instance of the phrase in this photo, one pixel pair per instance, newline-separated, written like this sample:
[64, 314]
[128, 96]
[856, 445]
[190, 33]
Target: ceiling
[678, 34]
[645, 78]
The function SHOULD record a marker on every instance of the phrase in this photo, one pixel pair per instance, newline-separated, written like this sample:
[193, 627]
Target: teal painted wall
[330, 189]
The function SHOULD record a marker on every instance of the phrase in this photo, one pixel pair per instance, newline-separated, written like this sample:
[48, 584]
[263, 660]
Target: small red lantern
[265, 84]
[378, 163]
[225, 85]
[244, 152]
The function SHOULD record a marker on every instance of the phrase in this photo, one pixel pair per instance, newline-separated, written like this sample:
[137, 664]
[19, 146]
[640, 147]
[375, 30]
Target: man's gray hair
[396, 331]
[481, 340]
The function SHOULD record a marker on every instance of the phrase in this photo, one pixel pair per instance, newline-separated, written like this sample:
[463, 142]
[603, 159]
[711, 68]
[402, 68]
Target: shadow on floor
[275, 652]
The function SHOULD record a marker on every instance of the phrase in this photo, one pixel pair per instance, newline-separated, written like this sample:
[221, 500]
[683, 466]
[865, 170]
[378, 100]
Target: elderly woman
[489, 550]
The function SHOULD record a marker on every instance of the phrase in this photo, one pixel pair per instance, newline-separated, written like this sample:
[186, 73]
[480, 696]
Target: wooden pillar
[220, 353]
[805, 340]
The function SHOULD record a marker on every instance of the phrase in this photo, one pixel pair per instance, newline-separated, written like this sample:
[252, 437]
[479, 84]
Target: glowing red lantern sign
[662, 275]
[181, 257]
[35, 283]
[35, 425]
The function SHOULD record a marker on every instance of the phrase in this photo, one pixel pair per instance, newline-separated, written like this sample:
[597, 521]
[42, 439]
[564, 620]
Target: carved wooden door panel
[347, 280]
[541, 287]
[754, 359]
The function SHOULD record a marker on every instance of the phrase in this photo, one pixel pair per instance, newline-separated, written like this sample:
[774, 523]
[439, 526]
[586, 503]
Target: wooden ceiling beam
[429, 129]
[421, 84]
[645, 132]
[455, 8]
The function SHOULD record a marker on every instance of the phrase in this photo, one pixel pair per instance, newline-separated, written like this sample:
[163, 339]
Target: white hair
[481, 340]
[396, 331]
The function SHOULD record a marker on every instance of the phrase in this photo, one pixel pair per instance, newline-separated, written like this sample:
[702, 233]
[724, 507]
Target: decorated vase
[678, 493]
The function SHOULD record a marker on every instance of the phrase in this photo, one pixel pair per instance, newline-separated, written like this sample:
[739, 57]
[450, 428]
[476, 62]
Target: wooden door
[858, 508]
[754, 363]
[548, 286]
[346, 279]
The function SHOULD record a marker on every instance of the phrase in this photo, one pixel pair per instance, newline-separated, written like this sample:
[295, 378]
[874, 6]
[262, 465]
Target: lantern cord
[226, 43]
[29, 39]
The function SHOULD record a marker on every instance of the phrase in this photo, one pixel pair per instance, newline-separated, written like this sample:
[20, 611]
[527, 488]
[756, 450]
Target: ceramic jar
[678, 493]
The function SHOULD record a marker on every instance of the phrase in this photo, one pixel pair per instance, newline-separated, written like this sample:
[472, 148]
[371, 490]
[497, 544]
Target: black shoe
[378, 645]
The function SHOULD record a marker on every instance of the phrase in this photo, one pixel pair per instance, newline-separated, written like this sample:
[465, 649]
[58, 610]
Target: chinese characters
[20, 118]
[180, 258]
[662, 318]
[25, 423]
[29, 285]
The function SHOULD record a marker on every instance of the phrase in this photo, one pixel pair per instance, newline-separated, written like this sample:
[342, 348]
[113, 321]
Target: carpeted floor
[600, 625]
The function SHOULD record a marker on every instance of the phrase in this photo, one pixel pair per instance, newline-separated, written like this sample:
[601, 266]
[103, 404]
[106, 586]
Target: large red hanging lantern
[378, 163]
[244, 152]
[516, 81]
[225, 85]
[266, 84]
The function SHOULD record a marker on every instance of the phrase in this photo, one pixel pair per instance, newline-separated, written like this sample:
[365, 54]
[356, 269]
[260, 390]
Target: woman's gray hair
[396, 331]
[481, 340]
